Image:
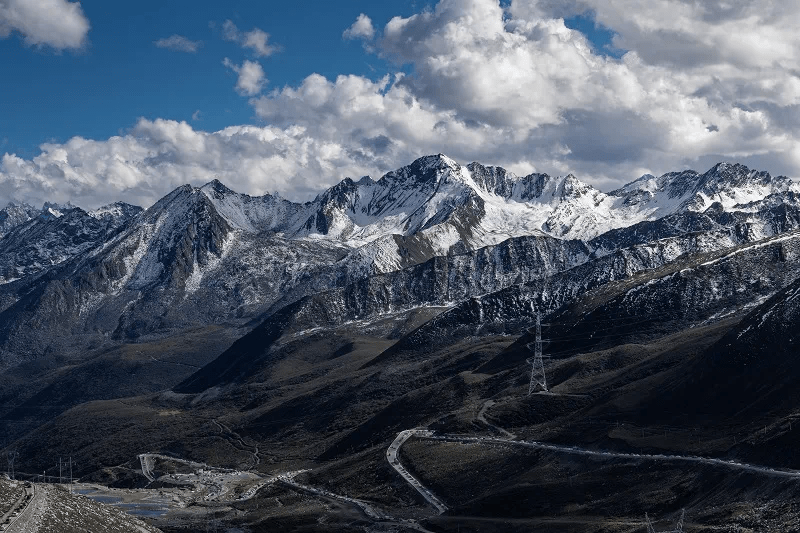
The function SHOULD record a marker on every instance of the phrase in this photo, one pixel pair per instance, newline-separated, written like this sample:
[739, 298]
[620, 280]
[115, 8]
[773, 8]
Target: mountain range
[388, 304]
[209, 254]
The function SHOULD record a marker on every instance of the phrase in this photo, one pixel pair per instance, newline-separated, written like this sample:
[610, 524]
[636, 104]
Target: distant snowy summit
[733, 186]
[478, 206]
[16, 214]
[468, 207]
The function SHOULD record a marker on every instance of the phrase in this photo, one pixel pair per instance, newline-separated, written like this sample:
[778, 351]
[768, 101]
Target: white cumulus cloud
[361, 29]
[518, 87]
[251, 76]
[158, 156]
[55, 23]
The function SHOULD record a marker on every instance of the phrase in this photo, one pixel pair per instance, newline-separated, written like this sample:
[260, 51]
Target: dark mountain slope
[748, 375]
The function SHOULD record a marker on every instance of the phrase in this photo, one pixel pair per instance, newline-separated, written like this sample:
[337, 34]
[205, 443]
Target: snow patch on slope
[193, 282]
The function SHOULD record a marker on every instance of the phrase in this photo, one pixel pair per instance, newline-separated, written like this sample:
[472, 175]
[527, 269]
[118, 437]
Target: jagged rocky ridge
[44, 241]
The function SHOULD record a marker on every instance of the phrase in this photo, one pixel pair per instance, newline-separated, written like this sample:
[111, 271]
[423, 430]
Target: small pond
[149, 510]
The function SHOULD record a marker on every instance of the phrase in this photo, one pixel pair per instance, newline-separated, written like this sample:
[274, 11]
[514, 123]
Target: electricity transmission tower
[538, 377]
[678, 526]
[649, 524]
[11, 457]
[650, 528]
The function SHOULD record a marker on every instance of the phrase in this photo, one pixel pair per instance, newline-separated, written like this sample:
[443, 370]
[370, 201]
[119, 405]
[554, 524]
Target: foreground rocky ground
[54, 509]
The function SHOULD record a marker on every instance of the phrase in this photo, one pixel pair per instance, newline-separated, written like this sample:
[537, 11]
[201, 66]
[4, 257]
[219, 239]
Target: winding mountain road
[216, 487]
[367, 509]
[403, 436]
[576, 450]
[234, 438]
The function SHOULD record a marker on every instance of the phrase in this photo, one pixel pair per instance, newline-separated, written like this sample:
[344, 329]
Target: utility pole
[70, 475]
[60, 477]
[537, 371]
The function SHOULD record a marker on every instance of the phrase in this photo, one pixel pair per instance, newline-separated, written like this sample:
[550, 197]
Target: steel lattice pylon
[678, 526]
[11, 457]
[649, 524]
[538, 378]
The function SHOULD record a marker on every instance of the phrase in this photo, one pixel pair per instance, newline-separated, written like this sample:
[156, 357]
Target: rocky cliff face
[14, 214]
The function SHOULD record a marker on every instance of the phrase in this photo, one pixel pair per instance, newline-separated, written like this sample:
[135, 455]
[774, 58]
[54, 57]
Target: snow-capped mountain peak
[17, 213]
[250, 213]
[115, 212]
[212, 251]
[51, 209]
[729, 184]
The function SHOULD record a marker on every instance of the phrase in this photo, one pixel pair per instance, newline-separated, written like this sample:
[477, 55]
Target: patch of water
[143, 509]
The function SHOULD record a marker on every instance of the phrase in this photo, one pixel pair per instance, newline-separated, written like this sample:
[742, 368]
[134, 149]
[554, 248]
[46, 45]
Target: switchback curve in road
[391, 456]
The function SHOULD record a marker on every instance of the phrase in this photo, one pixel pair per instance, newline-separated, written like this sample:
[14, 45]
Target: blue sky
[93, 111]
[120, 75]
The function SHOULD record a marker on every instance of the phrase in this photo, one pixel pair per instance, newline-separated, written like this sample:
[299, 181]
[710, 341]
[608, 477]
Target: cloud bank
[698, 82]
[158, 156]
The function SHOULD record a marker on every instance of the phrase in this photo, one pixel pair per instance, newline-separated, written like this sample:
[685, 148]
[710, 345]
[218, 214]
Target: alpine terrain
[447, 348]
